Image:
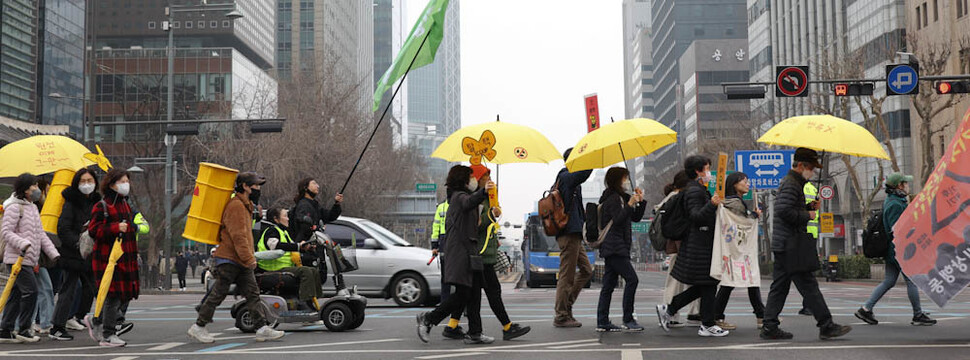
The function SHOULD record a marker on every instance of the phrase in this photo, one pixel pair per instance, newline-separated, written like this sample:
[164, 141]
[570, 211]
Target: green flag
[429, 29]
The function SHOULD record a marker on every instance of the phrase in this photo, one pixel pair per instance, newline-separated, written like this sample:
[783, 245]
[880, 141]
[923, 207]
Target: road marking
[540, 344]
[231, 329]
[165, 346]
[125, 358]
[574, 346]
[631, 355]
[221, 347]
[451, 355]
[290, 347]
[632, 344]
[236, 337]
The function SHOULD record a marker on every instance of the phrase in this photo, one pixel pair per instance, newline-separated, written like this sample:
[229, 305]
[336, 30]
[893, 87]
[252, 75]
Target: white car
[388, 266]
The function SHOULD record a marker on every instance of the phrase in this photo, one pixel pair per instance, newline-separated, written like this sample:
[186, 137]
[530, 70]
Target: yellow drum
[213, 188]
[55, 201]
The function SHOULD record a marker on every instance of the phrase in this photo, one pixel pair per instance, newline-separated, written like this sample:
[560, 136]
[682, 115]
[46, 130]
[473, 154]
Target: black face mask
[254, 196]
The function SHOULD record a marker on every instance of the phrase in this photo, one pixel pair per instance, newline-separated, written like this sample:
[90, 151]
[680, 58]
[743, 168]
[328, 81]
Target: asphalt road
[389, 333]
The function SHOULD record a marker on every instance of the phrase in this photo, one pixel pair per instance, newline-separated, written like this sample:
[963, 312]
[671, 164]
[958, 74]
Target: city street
[389, 332]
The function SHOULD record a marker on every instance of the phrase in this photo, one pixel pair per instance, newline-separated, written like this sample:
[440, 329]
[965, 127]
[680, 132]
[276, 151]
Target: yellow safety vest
[276, 264]
[811, 193]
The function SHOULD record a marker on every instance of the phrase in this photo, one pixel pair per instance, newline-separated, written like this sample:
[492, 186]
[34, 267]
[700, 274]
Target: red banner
[592, 113]
[933, 234]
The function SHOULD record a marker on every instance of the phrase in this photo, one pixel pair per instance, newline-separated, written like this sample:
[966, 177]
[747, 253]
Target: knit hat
[479, 170]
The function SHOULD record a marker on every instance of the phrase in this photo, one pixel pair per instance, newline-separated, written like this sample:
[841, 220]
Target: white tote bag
[735, 255]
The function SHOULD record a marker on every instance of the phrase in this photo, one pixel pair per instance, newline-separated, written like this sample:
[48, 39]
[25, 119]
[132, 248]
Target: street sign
[426, 187]
[902, 79]
[765, 169]
[791, 81]
[712, 188]
[592, 112]
[826, 192]
[419, 230]
[641, 227]
[827, 224]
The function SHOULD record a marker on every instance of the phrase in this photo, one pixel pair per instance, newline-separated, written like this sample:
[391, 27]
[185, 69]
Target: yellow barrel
[55, 201]
[213, 188]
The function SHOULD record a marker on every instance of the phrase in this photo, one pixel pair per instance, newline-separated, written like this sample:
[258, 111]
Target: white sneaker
[73, 324]
[201, 334]
[713, 331]
[663, 316]
[27, 337]
[39, 330]
[267, 333]
[113, 341]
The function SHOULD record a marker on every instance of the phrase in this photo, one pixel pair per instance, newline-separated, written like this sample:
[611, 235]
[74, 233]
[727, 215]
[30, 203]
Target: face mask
[808, 174]
[86, 189]
[123, 189]
[472, 184]
[254, 196]
[628, 187]
[708, 177]
[36, 195]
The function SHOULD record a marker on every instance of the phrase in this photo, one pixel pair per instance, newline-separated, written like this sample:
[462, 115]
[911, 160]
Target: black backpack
[676, 222]
[875, 238]
[657, 239]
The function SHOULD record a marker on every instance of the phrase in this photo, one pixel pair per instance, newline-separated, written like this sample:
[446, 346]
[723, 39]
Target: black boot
[514, 331]
[775, 333]
[833, 330]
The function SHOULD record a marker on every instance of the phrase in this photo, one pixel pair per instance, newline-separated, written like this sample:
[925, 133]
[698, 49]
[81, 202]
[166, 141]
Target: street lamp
[170, 11]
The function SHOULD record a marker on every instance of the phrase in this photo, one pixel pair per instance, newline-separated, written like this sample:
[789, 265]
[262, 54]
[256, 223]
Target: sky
[532, 62]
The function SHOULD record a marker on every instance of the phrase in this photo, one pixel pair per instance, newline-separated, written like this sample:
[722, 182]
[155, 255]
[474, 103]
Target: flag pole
[386, 108]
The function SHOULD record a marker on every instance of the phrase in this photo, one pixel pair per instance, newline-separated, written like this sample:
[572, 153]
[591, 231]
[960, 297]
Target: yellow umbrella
[109, 272]
[825, 133]
[619, 141]
[42, 154]
[14, 271]
[497, 143]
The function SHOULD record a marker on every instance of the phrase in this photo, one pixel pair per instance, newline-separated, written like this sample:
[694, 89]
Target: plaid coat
[104, 230]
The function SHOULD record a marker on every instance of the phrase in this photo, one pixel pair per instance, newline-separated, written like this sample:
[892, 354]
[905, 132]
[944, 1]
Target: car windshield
[384, 233]
[538, 240]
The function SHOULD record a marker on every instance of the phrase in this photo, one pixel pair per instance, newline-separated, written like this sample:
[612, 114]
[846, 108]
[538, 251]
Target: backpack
[875, 238]
[676, 222]
[657, 239]
[552, 211]
[595, 232]
[85, 242]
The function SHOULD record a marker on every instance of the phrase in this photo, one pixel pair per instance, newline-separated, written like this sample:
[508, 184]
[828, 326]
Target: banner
[933, 235]
[592, 112]
[735, 256]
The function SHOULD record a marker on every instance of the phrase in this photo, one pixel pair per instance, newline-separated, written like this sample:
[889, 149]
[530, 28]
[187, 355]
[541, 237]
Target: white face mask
[808, 174]
[123, 189]
[708, 177]
[628, 187]
[472, 184]
[86, 189]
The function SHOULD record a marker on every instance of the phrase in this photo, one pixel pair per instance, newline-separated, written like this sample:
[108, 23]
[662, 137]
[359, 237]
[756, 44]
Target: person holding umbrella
[111, 220]
[25, 238]
[620, 206]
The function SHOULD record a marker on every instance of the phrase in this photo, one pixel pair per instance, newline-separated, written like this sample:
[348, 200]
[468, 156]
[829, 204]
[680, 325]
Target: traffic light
[853, 89]
[182, 129]
[744, 92]
[952, 87]
[266, 127]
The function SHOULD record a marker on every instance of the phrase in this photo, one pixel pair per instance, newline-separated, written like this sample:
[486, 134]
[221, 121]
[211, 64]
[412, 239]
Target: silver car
[388, 266]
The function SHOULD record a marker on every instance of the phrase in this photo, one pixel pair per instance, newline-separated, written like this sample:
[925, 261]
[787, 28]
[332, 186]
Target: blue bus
[540, 254]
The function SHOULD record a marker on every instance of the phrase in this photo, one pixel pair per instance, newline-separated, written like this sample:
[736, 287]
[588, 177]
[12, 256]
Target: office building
[638, 74]
[390, 30]
[18, 59]
[60, 68]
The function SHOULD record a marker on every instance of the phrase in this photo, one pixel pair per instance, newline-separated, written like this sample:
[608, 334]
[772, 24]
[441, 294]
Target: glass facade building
[18, 60]
[61, 66]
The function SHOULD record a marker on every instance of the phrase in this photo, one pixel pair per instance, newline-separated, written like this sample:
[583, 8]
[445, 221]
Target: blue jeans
[617, 266]
[45, 299]
[892, 274]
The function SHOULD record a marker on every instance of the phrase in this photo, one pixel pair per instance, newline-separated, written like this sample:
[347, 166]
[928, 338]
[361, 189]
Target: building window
[698, 31]
[175, 24]
[919, 23]
[926, 16]
[201, 25]
[936, 10]
[188, 24]
[213, 24]
[226, 23]
[151, 24]
[959, 8]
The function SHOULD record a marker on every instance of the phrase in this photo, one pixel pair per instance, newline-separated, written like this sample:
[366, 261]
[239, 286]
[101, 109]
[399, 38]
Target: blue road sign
[902, 79]
[765, 168]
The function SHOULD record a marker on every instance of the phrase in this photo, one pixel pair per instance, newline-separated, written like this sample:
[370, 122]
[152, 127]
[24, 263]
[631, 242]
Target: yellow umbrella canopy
[42, 154]
[825, 133]
[497, 143]
[619, 141]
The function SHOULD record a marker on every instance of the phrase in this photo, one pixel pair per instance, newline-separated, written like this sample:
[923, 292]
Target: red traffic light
[952, 87]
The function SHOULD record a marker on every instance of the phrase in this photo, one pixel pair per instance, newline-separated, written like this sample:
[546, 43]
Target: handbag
[801, 254]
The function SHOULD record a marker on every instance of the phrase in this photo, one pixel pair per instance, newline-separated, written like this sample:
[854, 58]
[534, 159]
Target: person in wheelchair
[276, 237]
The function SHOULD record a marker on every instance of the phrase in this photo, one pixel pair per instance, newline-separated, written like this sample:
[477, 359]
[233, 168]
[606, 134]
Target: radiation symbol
[521, 153]
[479, 148]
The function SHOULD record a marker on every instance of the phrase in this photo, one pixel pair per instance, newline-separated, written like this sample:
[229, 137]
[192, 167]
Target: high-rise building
[638, 72]
[390, 28]
[676, 24]
[434, 97]
[18, 59]
[60, 69]
[327, 38]
[837, 39]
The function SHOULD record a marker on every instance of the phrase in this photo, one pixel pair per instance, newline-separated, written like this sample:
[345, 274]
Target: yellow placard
[722, 160]
[827, 223]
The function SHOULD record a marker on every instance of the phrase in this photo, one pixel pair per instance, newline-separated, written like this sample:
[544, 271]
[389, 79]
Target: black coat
[790, 226]
[693, 265]
[181, 264]
[306, 214]
[615, 208]
[75, 213]
[461, 225]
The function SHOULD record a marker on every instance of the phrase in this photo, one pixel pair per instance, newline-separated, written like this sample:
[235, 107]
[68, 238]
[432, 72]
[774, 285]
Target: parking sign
[765, 168]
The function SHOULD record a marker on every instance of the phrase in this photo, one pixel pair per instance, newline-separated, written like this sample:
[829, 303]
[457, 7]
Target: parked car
[388, 266]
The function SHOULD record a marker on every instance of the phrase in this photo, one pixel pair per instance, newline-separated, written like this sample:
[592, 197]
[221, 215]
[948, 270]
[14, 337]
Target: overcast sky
[532, 61]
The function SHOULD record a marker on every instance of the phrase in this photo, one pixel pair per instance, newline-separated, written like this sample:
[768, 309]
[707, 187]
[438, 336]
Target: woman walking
[620, 206]
[735, 187]
[111, 219]
[673, 287]
[464, 267]
[77, 276]
[24, 236]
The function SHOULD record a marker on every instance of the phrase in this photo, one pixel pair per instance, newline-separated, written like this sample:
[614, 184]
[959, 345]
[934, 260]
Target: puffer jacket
[615, 208]
[791, 216]
[693, 265]
[72, 223]
[22, 228]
